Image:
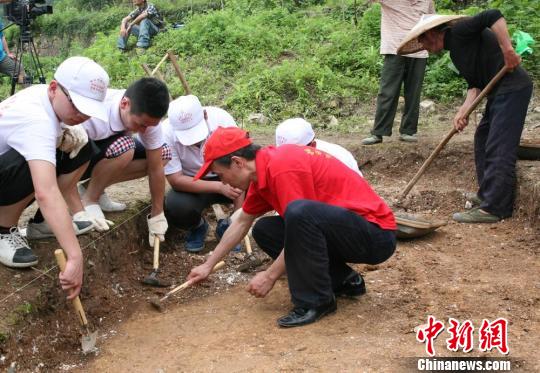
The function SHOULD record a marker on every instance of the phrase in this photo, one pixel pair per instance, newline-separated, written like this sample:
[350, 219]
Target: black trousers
[16, 180]
[398, 71]
[495, 148]
[184, 210]
[319, 240]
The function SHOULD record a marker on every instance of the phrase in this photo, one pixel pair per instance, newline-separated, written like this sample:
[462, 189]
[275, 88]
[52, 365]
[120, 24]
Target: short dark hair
[148, 96]
[248, 152]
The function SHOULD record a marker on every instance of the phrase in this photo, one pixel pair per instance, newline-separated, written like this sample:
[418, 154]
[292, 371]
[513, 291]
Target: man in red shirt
[328, 216]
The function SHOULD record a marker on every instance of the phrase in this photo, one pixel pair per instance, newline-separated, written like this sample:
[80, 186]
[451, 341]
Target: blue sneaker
[221, 227]
[195, 238]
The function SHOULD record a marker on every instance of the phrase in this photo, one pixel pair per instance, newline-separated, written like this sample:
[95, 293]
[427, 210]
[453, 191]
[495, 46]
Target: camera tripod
[26, 44]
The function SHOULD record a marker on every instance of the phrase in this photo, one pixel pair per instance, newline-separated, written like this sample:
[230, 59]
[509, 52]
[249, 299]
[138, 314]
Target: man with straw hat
[397, 19]
[480, 47]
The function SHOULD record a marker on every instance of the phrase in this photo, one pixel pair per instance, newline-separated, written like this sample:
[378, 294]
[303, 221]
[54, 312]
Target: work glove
[157, 227]
[73, 139]
[82, 216]
[95, 215]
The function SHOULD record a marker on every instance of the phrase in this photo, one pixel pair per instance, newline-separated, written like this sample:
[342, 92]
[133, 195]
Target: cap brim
[90, 107]
[193, 135]
[204, 170]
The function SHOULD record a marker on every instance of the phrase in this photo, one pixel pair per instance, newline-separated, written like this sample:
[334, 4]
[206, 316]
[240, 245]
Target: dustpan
[529, 149]
[412, 226]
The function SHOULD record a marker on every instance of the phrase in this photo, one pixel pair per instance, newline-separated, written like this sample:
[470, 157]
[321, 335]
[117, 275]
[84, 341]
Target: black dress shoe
[302, 316]
[353, 286]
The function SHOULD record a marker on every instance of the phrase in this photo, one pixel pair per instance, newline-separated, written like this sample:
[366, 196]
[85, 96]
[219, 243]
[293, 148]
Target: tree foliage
[280, 57]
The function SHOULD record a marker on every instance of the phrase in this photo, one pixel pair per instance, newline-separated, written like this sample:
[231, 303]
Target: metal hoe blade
[88, 342]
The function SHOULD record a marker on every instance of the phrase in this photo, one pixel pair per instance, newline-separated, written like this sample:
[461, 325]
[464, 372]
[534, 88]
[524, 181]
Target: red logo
[494, 335]
[461, 335]
[429, 333]
[491, 335]
[185, 117]
[99, 87]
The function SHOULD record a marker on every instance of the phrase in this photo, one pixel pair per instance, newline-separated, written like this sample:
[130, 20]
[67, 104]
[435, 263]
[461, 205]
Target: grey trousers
[398, 71]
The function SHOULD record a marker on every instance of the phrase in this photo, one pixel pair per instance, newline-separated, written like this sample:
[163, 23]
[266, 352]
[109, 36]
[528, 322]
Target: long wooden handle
[159, 64]
[188, 283]
[247, 242]
[179, 73]
[452, 132]
[218, 211]
[156, 73]
[61, 260]
[156, 252]
[146, 69]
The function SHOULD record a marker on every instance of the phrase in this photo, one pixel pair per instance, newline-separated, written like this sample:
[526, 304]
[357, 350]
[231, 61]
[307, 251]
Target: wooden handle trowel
[88, 340]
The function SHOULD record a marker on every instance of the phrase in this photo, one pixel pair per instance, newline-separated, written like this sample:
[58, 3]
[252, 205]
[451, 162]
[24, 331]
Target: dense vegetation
[279, 57]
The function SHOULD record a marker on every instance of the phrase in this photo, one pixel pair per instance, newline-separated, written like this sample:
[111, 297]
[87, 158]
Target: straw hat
[410, 43]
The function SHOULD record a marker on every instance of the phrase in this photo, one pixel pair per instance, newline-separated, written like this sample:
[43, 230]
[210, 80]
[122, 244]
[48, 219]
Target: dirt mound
[40, 329]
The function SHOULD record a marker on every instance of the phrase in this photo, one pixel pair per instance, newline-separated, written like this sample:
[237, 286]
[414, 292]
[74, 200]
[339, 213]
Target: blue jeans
[144, 31]
[319, 240]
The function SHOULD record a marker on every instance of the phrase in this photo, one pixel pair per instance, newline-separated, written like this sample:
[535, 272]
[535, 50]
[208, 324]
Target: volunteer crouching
[31, 166]
[328, 216]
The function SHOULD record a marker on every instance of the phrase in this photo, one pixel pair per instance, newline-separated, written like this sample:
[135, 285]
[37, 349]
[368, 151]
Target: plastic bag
[522, 40]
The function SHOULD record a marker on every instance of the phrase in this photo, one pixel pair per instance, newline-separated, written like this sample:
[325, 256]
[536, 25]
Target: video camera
[21, 12]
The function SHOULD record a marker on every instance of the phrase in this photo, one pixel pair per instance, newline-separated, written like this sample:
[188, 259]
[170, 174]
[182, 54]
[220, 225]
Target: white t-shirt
[97, 129]
[29, 124]
[340, 153]
[189, 159]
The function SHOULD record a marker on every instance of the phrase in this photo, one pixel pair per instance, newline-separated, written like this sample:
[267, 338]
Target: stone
[258, 118]
[427, 105]
[333, 121]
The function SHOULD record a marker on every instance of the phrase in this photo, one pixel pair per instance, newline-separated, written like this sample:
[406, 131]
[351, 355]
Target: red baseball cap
[221, 142]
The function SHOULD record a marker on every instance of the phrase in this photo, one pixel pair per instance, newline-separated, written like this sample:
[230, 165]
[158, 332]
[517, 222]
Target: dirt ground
[467, 272]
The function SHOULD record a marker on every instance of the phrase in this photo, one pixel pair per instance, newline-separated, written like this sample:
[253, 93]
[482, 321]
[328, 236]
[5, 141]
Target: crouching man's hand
[94, 214]
[157, 227]
[71, 277]
[260, 285]
[199, 273]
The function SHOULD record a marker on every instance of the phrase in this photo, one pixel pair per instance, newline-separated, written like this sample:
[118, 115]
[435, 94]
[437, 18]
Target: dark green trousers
[397, 70]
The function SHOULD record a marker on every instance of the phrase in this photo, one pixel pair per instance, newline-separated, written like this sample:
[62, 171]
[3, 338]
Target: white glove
[73, 139]
[157, 227]
[83, 216]
[95, 215]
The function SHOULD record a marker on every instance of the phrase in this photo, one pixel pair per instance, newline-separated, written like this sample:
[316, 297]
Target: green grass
[283, 58]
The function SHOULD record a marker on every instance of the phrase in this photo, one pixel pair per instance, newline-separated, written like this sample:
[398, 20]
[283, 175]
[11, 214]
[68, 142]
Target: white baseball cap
[186, 116]
[296, 131]
[86, 83]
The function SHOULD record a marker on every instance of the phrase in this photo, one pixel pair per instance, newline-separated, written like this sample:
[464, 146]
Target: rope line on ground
[44, 273]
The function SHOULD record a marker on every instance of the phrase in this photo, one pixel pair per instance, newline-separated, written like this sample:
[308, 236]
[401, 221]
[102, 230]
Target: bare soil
[467, 272]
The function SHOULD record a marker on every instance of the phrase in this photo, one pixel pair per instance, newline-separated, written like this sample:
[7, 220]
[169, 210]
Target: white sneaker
[105, 203]
[108, 205]
[36, 231]
[14, 250]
